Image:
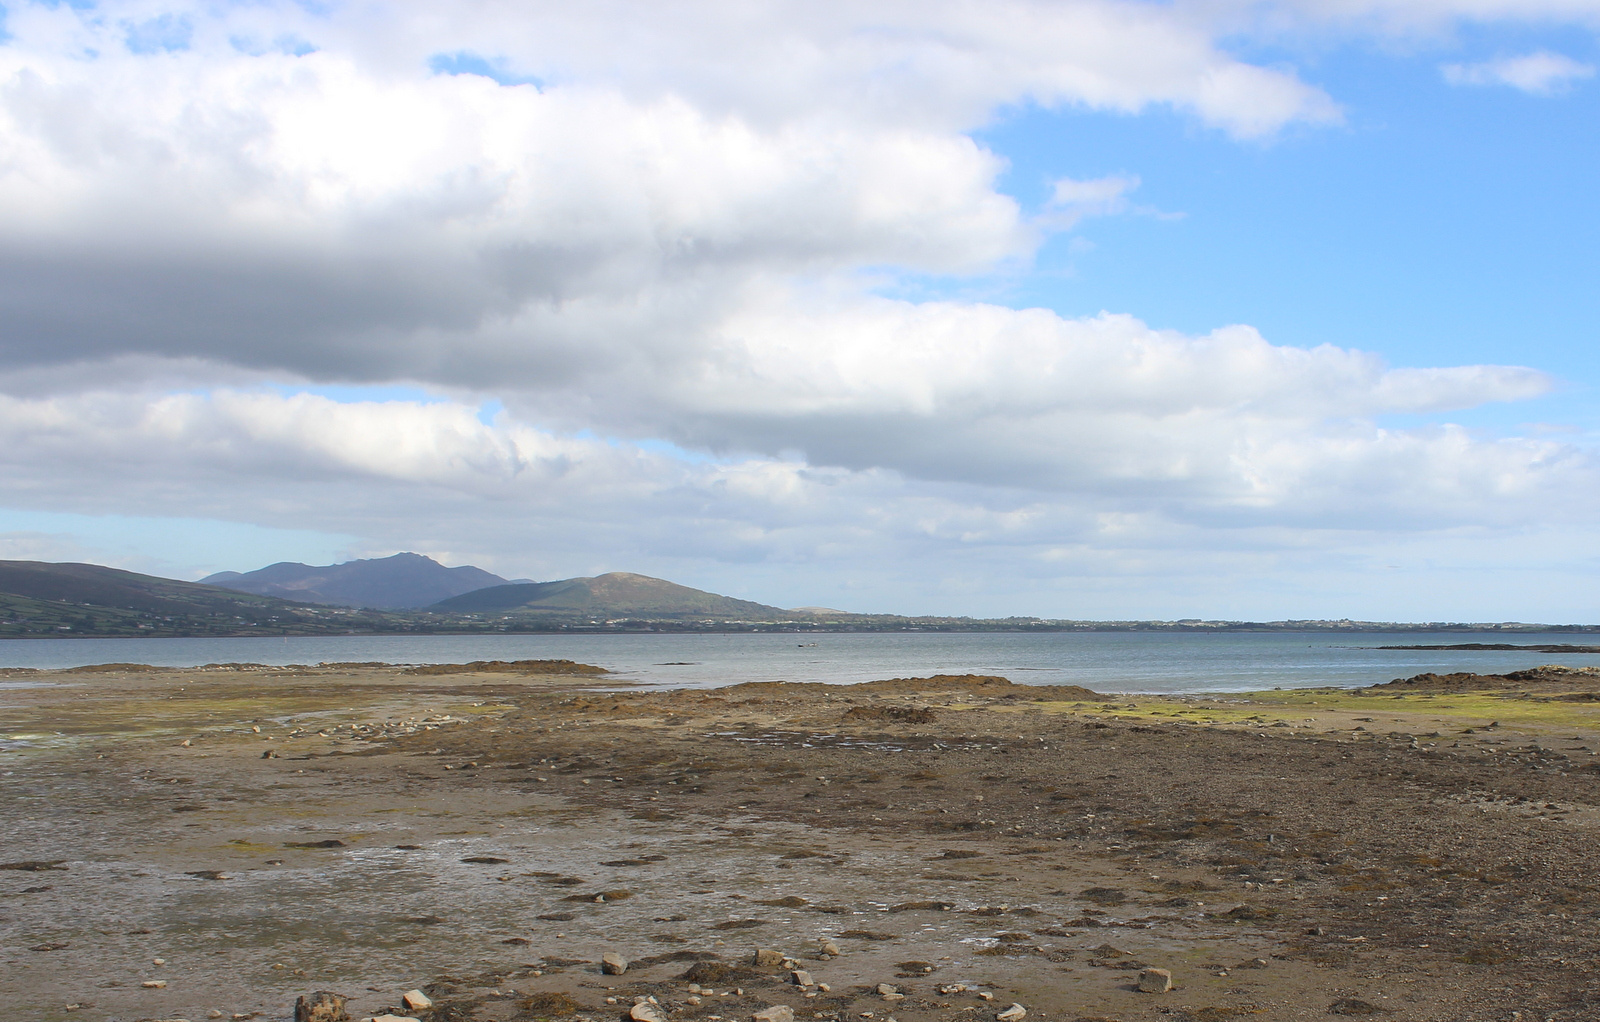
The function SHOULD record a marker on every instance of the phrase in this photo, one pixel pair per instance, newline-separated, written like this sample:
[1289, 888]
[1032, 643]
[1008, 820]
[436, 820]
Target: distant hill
[404, 581]
[38, 597]
[615, 595]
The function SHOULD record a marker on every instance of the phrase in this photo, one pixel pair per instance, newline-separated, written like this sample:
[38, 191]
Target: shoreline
[497, 833]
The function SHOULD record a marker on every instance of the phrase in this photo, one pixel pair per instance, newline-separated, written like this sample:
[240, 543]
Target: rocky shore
[497, 844]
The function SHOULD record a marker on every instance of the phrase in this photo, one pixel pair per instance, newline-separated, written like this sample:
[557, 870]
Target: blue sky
[1101, 309]
[1441, 224]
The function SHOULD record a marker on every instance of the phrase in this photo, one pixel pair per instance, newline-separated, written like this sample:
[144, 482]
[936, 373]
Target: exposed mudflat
[1422, 853]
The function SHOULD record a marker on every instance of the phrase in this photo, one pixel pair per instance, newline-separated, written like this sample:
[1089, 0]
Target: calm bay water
[1107, 661]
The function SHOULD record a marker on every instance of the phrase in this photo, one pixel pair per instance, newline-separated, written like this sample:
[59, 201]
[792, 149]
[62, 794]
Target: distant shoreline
[869, 624]
[1509, 647]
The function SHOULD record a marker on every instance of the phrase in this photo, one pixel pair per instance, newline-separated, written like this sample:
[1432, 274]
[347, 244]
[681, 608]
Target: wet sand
[1415, 853]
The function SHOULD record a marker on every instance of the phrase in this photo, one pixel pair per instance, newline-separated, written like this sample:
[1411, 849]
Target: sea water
[1155, 662]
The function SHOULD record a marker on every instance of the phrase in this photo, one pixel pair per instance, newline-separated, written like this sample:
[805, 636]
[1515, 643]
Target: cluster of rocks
[375, 732]
[325, 1006]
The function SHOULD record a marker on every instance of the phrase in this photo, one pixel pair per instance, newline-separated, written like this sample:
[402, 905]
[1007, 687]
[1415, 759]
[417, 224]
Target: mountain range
[39, 599]
[402, 582]
[414, 582]
[403, 593]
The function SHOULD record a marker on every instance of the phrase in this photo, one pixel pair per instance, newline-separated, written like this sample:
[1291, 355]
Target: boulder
[613, 964]
[768, 959]
[322, 1006]
[801, 978]
[776, 1013]
[644, 1011]
[1155, 981]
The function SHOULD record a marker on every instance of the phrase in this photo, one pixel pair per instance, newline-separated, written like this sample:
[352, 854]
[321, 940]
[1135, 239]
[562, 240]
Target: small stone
[154, 984]
[1155, 981]
[825, 988]
[985, 995]
[887, 988]
[801, 978]
[322, 1006]
[158, 961]
[766, 958]
[213, 1013]
[831, 949]
[953, 988]
[1015, 1013]
[613, 964]
[894, 997]
[646, 1012]
[776, 1013]
[391, 1018]
[416, 1000]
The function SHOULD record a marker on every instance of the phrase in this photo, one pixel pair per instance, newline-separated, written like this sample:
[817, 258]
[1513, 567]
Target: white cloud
[1098, 415]
[1542, 73]
[1277, 493]
[665, 239]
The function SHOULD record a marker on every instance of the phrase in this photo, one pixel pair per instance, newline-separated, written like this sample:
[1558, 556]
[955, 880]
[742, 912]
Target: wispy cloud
[1072, 200]
[1541, 73]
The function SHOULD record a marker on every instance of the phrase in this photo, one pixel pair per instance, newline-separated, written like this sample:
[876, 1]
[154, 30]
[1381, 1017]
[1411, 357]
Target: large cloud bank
[662, 225]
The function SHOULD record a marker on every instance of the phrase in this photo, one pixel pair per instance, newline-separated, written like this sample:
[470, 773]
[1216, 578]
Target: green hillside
[619, 594]
[38, 598]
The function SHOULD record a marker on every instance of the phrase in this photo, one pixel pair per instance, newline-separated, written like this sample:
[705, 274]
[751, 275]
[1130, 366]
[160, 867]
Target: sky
[1067, 308]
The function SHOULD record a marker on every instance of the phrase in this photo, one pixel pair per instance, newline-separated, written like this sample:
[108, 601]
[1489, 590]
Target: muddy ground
[247, 835]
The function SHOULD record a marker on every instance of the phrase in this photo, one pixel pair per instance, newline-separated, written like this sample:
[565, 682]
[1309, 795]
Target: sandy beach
[218, 842]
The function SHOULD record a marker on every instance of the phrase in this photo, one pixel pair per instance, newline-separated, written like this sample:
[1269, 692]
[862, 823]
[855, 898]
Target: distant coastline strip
[1558, 648]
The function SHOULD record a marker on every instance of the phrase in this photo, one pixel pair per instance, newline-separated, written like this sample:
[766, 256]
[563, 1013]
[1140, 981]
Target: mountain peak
[399, 581]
